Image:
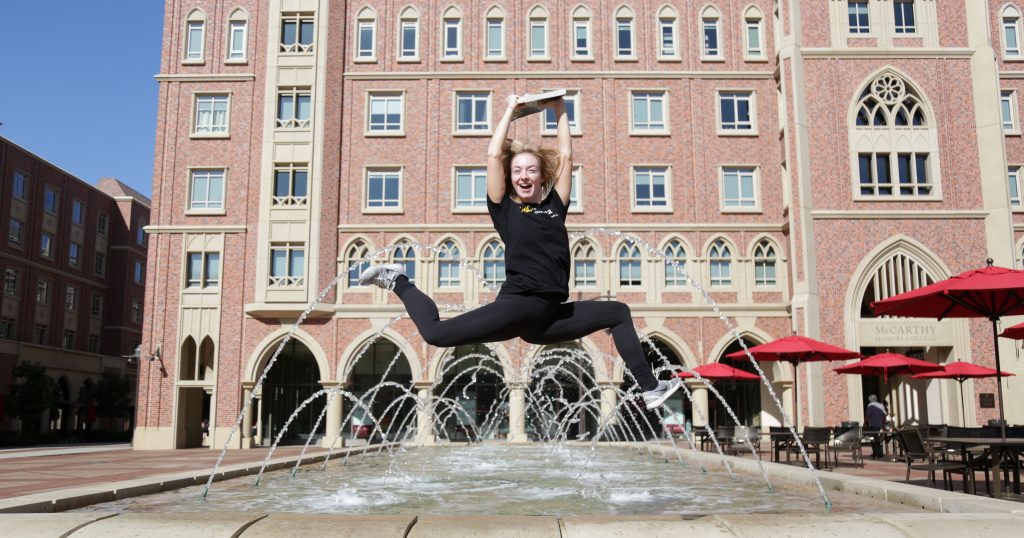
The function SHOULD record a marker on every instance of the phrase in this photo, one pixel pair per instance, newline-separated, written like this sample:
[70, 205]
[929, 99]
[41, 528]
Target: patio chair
[724, 434]
[781, 440]
[815, 440]
[745, 437]
[920, 458]
[849, 440]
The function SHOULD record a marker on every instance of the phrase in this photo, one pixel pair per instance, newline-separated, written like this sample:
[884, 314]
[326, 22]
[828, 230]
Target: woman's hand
[512, 101]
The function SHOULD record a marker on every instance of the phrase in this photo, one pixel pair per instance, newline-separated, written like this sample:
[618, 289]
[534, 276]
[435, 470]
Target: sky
[77, 86]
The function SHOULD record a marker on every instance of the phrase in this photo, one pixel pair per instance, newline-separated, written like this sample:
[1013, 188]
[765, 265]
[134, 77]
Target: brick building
[74, 262]
[798, 158]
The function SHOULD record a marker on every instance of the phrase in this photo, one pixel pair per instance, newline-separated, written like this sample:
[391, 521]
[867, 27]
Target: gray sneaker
[382, 276]
[654, 398]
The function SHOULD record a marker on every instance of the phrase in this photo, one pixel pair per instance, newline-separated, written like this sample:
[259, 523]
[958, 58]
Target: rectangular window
[290, 185]
[69, 340]
[297, 33]
[624, 37]
[96, 307]
[711, 47]
[753, 35]
[1011, 37]
[495, 38]
[194, 41]
[452, 39]
[448, 267]
[211, 114]
[857, 11]
[538, 38]
[287, 264]
[140, 233]
[77, 213]
[236, 40]
[11, 282]
[19, 188]
[721, 273]
[472, 111]
[584, 273]
[572, 104]
[102, 224]
[207, 188]
[648, 111]
[470, 187]
[736, 111]
[50, 198]
[7, 328]
[138, 275]
[43, 291]
[203, 270]
[1013, 176]
[650, 186]
[383, 188]
[903, 15]
[581, 39]
[75, 254]
[385, 113]
[577, 189]
[293, 109]
[137, 312]
[14, 233]
[71, 299]
[630, 272]
[365, 39]
[1008, 109]
[46, 245]
[39, 334]
[409, 40]
[879, 171]
[100, 264]
[94, 343]
[739, 187]
[667, 36]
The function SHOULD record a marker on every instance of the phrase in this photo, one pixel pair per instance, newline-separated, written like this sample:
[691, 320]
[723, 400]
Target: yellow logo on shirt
[527, 209]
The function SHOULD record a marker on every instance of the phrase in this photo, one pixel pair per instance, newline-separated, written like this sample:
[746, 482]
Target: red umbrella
[1015, 333]
[961, 371]
[889, 364]
[718, 371]
[795, 350]
[990, 292]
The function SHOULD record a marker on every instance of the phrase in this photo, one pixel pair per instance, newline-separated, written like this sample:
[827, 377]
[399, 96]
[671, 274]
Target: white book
[530, 103]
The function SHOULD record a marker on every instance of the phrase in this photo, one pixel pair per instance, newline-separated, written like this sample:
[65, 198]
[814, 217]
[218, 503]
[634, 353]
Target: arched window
[409, 35]
[720, 261]
[494, 37]
[238, 30]
[629, 265]
[195, 36]
[581, 34]
[205, 365]
[675, 263]
[366, 35]
[893, 142]
[356, 261]
[451, 34]
[625, 31]
[1011, 32]
[538, 35]
[405, 255]
[764, 264]
[753, 30]
[187, 360]
[711, 30]
[897, 274]
[494, 263]
[448, 265]
[584, 265]
[668, 41]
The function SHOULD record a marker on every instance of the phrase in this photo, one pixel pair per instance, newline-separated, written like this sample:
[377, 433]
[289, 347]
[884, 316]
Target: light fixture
[155, 355]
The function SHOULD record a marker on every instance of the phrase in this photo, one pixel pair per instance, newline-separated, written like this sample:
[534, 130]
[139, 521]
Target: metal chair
[914, 450]
[849, 440]
[815, 440]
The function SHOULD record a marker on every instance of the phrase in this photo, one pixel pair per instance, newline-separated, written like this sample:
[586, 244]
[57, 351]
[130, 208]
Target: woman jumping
[528, 192]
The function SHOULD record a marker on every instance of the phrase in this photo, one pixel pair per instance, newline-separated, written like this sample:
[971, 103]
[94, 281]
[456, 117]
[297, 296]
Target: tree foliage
[114, 396]
[32, 391]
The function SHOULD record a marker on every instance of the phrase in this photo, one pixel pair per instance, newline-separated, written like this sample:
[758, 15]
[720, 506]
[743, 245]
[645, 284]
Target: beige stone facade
[756, 117]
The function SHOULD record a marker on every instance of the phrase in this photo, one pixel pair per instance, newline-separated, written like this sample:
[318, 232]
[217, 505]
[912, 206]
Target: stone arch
[912, 87]
[495, 12]
[409, 12]
[269, 345]
[196, 15]
[869, 264]
[669, 339]
[188, 354]
[238, 14]
[367, 14]
[206, 366]
[779, 254]
[362, 342]
[624, 12]
[709, 11]
[433, 369]
[580, 12]
[537, 12]
[452, 12]
[598, 369]
[752, 12]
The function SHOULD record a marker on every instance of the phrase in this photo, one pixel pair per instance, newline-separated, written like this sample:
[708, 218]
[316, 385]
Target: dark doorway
[294, 377]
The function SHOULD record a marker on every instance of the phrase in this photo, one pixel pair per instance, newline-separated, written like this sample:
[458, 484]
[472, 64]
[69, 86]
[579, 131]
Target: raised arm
[563, 176]
[495, 151]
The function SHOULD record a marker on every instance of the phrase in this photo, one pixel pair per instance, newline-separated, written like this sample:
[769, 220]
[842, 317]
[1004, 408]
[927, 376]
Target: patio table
[997, 448]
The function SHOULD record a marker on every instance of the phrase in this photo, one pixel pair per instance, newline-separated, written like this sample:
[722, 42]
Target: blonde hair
[548, 159]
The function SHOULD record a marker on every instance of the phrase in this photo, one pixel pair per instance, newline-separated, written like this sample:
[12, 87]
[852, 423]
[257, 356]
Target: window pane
[306, 33]
[288, 30]
[285, 107]
[195, 264]
[298, 263]
[538, 45]
[303, 108]
[921, 162]
[212, 269]
[281, 183]
[300, 183]
[279, 262]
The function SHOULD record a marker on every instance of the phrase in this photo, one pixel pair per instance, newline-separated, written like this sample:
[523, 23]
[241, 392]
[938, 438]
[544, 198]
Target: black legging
[537, 319]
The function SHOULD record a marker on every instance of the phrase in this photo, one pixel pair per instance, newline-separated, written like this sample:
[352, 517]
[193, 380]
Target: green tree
[114, 396]
[31, 393]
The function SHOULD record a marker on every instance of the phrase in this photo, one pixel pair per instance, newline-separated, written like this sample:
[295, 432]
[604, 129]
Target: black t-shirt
[536, 245]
